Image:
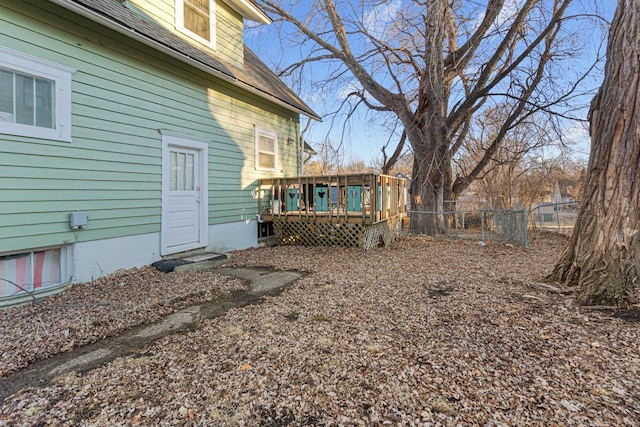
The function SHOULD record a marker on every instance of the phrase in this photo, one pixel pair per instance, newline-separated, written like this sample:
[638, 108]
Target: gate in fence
[486, 225]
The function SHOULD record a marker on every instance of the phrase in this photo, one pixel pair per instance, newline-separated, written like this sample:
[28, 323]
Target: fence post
[482, 227]
[539, 217]
[525, 230]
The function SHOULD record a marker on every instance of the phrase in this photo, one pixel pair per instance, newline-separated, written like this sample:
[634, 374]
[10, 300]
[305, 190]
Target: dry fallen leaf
[425, 332]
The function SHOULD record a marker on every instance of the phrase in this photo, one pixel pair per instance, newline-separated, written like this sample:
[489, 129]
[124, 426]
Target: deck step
[201, 261]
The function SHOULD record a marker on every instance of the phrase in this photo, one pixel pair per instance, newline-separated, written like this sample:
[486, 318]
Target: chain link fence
[556, 217]
[486, 225]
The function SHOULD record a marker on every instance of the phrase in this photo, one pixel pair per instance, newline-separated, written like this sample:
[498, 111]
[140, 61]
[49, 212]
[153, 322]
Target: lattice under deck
[328, 234]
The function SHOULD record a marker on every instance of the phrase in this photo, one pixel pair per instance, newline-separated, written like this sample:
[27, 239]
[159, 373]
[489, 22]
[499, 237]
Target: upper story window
[266, 150]
[35, 97]
[196, 18]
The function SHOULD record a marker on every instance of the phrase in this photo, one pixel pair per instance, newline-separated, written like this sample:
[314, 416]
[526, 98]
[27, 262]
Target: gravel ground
[420, 333]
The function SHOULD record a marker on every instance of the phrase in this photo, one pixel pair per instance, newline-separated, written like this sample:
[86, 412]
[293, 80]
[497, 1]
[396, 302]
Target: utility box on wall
[78, 220]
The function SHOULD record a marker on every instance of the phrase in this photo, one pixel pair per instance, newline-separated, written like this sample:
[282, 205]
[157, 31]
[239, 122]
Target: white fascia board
[249, 10]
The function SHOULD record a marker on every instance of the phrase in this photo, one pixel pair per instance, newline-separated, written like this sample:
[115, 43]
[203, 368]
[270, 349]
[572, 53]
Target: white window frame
[19, 62]
[212, 24]
[269, 134]
[66, 275]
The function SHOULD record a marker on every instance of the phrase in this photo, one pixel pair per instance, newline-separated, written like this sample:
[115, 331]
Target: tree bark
[389, 163]
[602, 258]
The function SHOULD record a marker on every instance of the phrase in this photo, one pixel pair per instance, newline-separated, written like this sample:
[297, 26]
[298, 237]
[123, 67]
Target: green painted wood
[160, 11]
[62, 217]
[94, 223]
[103, 40]
[62, 226]
[76, 195]
[75, 163]
[22, 184]
[52, 172]
[77, 154]
[49, 208]
[103, 71]
[229, 26]
[123, 94]
[321, 199]
[56, 238]
[354, 198]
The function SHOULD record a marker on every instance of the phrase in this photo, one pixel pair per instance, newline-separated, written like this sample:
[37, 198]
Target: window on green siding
[266, 150]
[35, 97]
[26, 100]
[196, 18]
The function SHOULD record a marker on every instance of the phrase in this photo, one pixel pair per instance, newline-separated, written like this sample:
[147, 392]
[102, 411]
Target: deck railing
[355, 198]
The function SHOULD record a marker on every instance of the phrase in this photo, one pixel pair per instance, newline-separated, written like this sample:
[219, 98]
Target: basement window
[33, 271]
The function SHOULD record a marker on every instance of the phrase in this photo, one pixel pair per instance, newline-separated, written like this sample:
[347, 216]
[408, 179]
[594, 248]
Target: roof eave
[309, 149]
[249, 11]
[132, 33]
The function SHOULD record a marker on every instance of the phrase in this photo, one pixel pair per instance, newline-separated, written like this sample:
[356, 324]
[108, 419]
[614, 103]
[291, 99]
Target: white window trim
[61, 75]
[65, 266]
[274, 135]
[212, 24]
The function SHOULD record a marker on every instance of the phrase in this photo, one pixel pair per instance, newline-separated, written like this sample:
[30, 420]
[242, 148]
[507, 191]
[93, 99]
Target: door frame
[172, 139]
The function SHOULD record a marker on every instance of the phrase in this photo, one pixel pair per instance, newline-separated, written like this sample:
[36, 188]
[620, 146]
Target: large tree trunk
[430, 171]
[603, 256]
[428, 186]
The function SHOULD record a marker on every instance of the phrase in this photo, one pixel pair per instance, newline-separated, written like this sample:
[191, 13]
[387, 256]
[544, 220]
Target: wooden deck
[355, 199]
[351, 210]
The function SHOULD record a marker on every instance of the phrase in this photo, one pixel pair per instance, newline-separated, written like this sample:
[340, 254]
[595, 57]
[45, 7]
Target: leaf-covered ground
[420, 333]
[87, 312]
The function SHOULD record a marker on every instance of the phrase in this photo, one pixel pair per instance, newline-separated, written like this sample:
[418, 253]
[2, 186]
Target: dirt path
[261, 282]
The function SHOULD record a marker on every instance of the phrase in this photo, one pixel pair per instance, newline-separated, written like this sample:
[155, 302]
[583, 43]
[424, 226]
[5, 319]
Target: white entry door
[184, 194]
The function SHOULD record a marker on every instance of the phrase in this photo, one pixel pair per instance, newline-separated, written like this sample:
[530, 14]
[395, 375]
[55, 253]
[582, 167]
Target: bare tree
[537, 182]
[603, 256]
[356, 164]
[499, 180]
[433, 65]
[388, 162]
[326, 161]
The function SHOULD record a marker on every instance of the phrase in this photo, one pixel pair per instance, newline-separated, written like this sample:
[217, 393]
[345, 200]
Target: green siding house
[131, 130]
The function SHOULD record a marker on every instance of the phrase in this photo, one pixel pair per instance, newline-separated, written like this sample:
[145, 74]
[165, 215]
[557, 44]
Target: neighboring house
[562, 193]
[131, 130]
[557, 203]
[308, 150]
